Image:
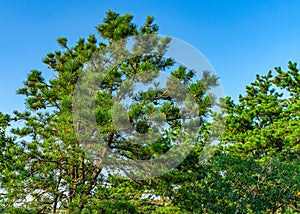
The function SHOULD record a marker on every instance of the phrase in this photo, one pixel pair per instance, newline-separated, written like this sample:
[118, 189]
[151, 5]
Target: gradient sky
[240, 38]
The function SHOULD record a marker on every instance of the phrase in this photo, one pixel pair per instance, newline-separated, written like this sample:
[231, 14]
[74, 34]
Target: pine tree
[53, 170]
[259, 156]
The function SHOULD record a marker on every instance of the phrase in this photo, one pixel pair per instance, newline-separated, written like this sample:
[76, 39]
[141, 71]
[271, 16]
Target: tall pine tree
[51, 171]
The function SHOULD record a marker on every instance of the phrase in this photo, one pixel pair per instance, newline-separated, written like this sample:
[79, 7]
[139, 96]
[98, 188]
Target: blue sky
[240, 38]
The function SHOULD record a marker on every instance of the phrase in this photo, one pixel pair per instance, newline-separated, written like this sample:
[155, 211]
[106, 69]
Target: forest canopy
[54, 162]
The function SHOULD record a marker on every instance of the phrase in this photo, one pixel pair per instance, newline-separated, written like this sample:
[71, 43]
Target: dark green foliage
[260, 152]
[44, 168]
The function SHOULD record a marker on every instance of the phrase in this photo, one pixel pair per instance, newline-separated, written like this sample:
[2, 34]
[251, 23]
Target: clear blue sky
[240, 38]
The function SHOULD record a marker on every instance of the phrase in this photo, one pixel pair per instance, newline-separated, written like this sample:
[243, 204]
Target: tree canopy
[56, 162]
[53, 171]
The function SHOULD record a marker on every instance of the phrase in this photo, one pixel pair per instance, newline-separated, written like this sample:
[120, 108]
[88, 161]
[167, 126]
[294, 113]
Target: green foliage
[44, 168]
[259, 155]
